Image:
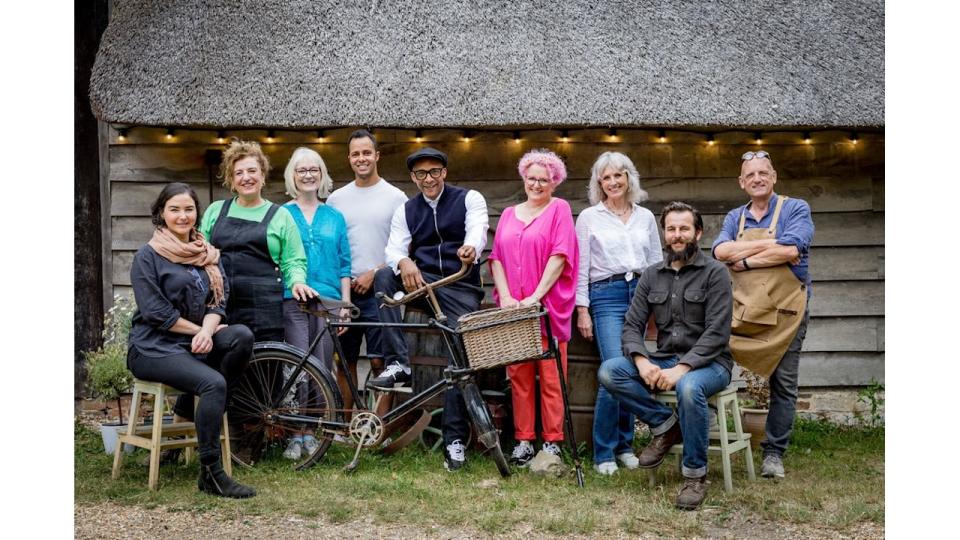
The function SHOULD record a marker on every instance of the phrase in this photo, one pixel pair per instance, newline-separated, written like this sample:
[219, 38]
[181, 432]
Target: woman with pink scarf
[176, 336]
[534, 261]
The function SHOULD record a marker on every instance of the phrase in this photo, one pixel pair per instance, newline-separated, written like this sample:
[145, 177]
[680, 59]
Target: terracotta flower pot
[754, 423]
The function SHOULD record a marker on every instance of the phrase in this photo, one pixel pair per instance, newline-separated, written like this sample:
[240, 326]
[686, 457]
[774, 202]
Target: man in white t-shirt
[368, 204]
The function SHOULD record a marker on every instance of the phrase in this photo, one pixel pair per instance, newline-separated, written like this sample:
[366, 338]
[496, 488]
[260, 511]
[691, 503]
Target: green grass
[835, 480]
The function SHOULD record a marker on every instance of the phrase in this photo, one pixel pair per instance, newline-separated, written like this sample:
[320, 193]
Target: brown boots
[652, 456]
[692, 493]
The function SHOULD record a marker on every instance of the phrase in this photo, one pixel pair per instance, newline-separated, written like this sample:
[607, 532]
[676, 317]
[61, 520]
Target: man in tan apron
[765, 244]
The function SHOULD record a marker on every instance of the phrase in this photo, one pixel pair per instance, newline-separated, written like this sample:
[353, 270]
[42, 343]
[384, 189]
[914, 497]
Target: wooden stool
[726, 443]
[159, 436]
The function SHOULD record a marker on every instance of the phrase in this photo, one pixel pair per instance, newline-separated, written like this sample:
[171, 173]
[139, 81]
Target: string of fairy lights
[613, 135]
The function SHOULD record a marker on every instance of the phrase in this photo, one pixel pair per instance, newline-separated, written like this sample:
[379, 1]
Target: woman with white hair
[323, 231]
[618, 238]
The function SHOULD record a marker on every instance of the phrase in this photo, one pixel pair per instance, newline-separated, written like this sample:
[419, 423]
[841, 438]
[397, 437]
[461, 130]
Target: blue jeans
[612, 424]
[621, 378]
[353, 337]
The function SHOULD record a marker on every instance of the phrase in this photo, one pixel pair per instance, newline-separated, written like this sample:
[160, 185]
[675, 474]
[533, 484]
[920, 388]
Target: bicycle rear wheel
[486, 431]
[257, 431]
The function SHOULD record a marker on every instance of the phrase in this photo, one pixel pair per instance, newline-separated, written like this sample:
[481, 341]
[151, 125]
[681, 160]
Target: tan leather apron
[768, 307]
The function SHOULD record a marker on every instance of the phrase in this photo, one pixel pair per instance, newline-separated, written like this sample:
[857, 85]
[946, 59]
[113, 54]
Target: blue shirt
[794, 229]
[327, 248]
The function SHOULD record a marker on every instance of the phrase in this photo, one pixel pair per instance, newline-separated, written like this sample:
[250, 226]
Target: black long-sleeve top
[166, 291]
[692, 308]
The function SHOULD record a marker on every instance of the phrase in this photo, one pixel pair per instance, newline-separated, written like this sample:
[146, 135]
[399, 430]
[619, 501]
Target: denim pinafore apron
[256, 282]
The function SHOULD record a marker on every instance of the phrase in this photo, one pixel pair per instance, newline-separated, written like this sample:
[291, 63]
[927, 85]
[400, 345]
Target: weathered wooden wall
[842, 181]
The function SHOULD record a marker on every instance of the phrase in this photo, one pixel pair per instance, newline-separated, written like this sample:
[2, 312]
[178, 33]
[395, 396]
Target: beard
[683, 256]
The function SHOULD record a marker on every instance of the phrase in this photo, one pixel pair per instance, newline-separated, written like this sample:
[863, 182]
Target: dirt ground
[115, 521]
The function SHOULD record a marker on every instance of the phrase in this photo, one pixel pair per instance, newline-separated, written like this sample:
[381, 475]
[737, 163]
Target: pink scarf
[197, 252]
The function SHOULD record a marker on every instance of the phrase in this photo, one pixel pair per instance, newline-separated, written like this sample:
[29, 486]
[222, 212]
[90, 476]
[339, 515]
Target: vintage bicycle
[287, 391]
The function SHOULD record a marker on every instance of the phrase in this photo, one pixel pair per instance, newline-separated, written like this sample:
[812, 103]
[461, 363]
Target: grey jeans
[784, 385]
[301, 328]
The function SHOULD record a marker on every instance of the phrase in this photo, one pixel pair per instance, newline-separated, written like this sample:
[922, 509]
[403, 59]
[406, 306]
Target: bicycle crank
[366, 429]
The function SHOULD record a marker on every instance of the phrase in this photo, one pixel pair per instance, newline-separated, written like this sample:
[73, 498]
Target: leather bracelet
[745, 265]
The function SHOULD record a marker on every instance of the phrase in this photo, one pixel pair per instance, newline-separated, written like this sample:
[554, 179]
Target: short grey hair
[619, 162]
[326, 183]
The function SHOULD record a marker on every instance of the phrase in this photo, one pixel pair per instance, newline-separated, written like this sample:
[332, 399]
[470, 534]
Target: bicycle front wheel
[264, 424]
[486, 431]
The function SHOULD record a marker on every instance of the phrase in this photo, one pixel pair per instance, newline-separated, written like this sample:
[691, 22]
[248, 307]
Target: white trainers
[294, 449]
[551, 448]
[310, 445]
[455, 456]
[607, 468]
[772, 467]
[629, 460]
[522, 454]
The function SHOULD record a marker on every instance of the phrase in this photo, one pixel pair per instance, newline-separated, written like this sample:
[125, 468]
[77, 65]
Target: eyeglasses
[759, 155]
[435, 172]
[315, 171]
[537, 181]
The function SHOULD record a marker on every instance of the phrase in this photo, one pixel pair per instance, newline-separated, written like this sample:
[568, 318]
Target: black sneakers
[454, 456]
[391, 377]
[522, 454]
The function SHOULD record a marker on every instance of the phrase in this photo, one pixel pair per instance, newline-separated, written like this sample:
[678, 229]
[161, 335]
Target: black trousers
[209, 376]
[456, 300]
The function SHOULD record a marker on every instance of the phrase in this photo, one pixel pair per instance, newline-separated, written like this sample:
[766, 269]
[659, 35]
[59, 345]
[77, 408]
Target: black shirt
[692, 308]
[166, 291]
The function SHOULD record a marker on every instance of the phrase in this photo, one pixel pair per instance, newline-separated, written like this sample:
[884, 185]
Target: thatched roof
[319, 63]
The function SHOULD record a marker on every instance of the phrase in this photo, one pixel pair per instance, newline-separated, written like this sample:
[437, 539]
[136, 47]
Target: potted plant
[107, 374]
[756, 406]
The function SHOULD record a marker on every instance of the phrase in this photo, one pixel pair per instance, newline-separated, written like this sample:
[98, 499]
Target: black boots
[214, 480]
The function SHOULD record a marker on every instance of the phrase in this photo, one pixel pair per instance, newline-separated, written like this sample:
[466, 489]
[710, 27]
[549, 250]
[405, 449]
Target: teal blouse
[327, 248]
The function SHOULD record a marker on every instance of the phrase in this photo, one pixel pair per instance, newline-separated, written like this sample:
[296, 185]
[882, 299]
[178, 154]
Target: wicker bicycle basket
[497, 337]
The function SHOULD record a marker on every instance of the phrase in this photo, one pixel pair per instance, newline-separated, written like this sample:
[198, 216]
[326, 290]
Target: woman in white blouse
[618, 238]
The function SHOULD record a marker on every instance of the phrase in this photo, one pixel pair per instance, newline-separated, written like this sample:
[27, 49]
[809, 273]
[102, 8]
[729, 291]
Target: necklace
[619, 214]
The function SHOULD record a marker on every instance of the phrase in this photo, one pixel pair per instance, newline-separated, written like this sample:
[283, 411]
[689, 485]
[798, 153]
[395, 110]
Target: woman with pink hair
[534, 261]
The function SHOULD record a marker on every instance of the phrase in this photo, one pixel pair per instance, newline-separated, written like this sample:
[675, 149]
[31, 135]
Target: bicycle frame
[456, 373]
[453, 346]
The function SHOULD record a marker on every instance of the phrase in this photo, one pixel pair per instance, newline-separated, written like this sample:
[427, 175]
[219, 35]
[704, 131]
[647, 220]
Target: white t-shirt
[368, 211]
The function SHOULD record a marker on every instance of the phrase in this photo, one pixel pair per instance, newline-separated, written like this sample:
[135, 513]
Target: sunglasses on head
[759, 155]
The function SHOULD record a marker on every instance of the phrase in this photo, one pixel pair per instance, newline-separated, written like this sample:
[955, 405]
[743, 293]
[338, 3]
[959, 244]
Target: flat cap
[424, 153]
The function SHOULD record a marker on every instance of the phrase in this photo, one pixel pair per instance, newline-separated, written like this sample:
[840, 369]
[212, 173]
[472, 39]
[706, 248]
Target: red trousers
[523, 381]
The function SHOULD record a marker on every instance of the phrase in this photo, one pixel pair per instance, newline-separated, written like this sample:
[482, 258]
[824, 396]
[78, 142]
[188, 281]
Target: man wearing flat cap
[429, 236]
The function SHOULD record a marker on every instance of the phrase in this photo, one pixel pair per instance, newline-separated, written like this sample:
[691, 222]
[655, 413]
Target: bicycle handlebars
[329, 305]
[428, 288]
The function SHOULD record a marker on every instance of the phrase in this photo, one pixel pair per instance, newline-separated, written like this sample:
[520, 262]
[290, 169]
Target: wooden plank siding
[844, 184]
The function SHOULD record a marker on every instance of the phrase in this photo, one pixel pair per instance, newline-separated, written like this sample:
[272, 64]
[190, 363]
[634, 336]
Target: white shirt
[476, 223]
[367, 211]
[608, 247]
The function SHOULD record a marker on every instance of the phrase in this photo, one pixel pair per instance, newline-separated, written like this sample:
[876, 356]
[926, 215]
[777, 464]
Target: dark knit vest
[435, 237]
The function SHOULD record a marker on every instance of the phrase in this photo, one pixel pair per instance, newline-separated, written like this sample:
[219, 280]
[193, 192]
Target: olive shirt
[283, 236]
[693, 309]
